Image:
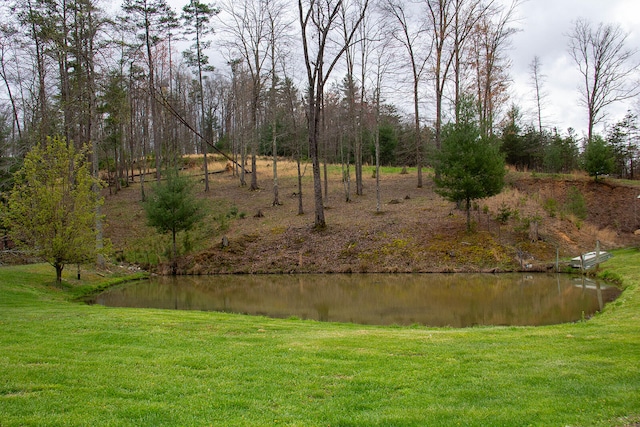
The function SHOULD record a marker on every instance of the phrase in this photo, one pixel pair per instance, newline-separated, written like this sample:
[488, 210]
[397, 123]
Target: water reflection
[457, 300]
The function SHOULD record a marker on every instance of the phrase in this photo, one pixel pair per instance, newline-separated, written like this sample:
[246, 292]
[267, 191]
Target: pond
[456, 300]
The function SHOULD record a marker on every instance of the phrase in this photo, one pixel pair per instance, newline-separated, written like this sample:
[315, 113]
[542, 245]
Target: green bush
[525, 223]
[576, 204]
[504, 213]
[550, 206]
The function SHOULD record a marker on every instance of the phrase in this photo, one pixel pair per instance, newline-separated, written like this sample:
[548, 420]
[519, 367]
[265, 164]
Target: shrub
[576, 204]
[550, 206]
[504, 213]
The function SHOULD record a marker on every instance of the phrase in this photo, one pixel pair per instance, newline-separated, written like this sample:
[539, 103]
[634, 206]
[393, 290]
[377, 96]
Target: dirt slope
[415, 231]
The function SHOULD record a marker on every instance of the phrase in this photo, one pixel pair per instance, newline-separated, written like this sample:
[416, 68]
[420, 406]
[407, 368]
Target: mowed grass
[66, 363]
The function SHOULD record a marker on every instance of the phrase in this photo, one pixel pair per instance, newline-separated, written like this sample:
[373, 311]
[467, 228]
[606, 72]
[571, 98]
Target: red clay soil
[609, 203]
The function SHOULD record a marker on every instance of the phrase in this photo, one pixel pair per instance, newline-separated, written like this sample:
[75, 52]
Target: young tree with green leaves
[468, 166]
[173, 208]
[51, 210]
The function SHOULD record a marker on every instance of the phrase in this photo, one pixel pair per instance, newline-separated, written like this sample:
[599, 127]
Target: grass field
[66, 363]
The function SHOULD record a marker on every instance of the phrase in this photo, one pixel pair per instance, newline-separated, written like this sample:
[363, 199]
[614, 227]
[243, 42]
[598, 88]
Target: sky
[544, 26]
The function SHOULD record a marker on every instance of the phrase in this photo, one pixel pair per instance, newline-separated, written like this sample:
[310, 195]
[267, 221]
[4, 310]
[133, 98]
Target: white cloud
[545, 25]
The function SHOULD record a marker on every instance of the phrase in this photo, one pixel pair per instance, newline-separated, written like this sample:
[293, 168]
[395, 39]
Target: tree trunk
[358, 159]
[255, 131]
[317, 184]
[274, 147]
[346, 170]
[174, 254]
[59, 267]
[468, 207]
[93, 136]
[14, 108]
[377, 145]
[300, 207]
[418, 140]
[320, 222]
[314, 135]
[205, 159]
[155, 123]
[202, 109]
[274, 125]
[143, 162]
[325, 177]
[254, 167]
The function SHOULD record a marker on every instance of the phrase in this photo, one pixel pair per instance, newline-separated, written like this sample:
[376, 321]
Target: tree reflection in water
[456, 300]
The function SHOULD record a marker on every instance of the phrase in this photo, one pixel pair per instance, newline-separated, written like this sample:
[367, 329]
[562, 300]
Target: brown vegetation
[416, 230]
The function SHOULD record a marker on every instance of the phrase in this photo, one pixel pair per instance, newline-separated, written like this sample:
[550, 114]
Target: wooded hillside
[416, 230]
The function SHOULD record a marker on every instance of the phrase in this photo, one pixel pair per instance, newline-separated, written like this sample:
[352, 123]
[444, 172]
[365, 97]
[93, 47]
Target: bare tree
[467, 13]
[384, 56]
[238, 116]
[607, 66]
[351, 127]
[31, 15]
[492, 38]
[411, 39]
[537, 80]
[277, 28]
[249, 32]
[452, 24]
[7, 54]
[441, 20]
[197, 16]
[150, 18]
[318, 20]
[293, 108]
[356, 107]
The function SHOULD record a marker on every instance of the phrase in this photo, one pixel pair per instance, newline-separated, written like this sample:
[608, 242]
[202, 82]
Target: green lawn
[66, 363]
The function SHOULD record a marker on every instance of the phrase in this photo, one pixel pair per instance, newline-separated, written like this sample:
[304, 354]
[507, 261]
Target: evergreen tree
[116, 111]
[468, 166]
[623, 139]
[388, 143]
[561, 154]
[598, 158]
[51, 210]
[512, 142]
[173, 208]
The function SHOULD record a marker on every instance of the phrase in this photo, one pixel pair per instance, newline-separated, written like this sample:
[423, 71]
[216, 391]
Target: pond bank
[71, 364]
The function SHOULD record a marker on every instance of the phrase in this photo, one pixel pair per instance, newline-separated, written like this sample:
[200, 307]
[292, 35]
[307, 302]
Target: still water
[456, 300]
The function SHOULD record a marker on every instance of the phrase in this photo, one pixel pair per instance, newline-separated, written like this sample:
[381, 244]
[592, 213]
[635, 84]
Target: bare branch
[608, 68]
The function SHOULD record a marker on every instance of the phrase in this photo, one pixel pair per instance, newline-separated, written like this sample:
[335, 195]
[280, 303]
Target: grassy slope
[64, 363]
